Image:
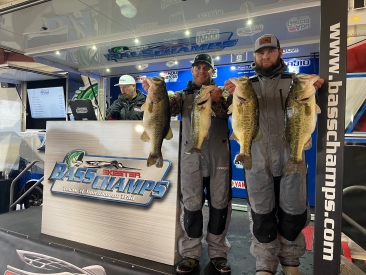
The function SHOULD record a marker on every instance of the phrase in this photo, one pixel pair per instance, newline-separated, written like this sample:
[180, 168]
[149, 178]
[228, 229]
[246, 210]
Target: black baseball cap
[203, 57]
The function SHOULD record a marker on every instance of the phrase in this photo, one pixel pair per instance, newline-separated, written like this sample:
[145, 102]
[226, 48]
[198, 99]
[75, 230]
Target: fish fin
[233, 137]
[143, 107]
[156, 159]
[258, 136]
[293, 167]
[150, 107]
[145, 137]
[308, 144]
[169, 135]
[230, 110]
[318, 111]
[194, 150]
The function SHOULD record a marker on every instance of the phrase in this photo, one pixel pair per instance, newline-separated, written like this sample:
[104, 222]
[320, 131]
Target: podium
[99, 191]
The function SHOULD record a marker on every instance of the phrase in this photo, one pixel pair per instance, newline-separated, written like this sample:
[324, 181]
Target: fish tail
[156, 159]
[293, 167]
[194, 150]
[247, 162]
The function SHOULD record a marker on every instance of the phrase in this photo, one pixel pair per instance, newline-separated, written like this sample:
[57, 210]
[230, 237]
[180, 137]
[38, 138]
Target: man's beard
[268, 70]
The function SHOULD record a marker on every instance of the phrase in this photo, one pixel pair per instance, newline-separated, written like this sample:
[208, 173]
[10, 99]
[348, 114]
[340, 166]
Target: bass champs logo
[123, 180]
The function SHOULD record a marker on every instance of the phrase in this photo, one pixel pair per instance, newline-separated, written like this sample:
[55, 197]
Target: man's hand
[216, 93]
[145, 85]
[319, 83]
[229, 86]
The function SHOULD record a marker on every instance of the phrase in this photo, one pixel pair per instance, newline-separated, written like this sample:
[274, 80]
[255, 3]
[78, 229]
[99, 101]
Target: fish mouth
[202, 102]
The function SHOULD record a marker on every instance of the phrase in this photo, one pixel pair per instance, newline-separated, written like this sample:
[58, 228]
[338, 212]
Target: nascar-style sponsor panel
[115, 179]
[218, 42]
[250, 30]
[300, 23]
[238, 184]
[140, 78]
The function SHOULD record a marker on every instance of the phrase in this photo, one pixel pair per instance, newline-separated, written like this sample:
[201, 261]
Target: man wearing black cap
[277, 203]
[210, 172]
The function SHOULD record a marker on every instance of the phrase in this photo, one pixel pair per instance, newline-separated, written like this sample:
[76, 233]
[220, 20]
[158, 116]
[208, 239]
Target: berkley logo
[115, 179]
[170, 48]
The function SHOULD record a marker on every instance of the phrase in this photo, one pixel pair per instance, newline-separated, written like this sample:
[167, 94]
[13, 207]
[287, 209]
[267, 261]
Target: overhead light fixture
[217, 57]
[57, 52]
[232, 67]
[249, 22]
[94, 47]
[108, 70]
[136, 40]
[349, 38]
[187, 32]
[355, 18]
[139, 66]
[175, 62]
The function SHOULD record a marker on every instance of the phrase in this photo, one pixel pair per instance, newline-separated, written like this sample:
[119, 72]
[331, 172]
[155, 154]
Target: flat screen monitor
[47, 102]
[82, 109]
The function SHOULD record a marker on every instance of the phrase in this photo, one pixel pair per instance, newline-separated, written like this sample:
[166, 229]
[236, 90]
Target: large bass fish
[201, 118]
[245, 119]
[156, 119]
[300, 120]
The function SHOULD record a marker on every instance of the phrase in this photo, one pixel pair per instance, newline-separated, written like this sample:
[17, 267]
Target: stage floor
[26, 224]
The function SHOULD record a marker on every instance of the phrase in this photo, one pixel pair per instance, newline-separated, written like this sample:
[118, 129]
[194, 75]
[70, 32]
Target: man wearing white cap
[277, 202]
[129, 102]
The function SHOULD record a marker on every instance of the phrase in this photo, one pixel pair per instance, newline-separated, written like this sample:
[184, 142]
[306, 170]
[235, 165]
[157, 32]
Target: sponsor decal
[239, 57]
[250, 30]
[298, 63]
[182, 46]
[238, 184]
[290, 50]
[114, 179]
[170, 63]
[170, 76]
[209, 14]
[147, 25]
[214, 74]
[210, 35]
[167, 3]
[142, 66]
[50, 265]
[81, 110]
[300, 23]
[140, 78]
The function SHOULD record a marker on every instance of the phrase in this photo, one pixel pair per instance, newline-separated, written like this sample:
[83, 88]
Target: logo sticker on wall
[170, 48]
[239, 57]
[290, 50]
[170, 76]
[250, 30]
[296, 24]
[114, 179]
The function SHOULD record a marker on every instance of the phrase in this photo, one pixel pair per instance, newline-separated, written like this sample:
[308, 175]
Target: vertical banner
[332, 101]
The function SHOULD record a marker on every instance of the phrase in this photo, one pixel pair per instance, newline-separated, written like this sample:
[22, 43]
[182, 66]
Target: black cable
[96, 100]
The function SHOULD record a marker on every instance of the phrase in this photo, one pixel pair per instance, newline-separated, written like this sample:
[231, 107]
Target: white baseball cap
[126, 80]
